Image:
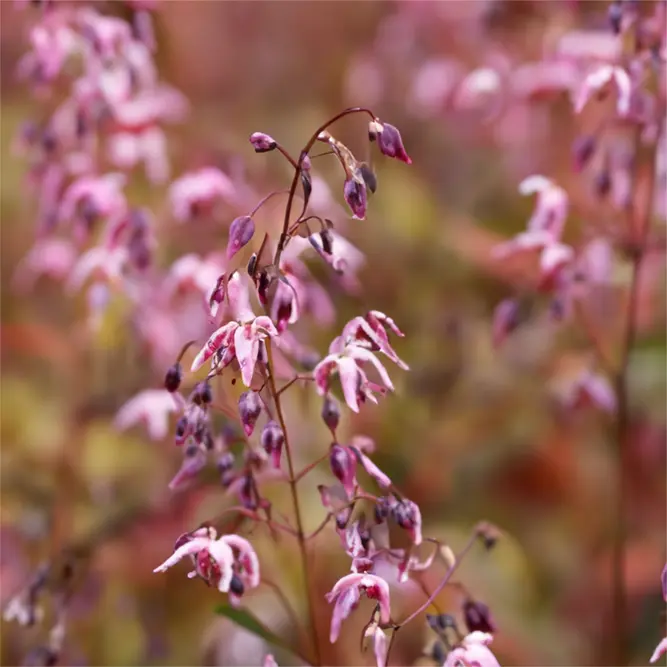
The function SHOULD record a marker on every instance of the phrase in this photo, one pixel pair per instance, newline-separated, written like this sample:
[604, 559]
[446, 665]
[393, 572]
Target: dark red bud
[172, 380]
[343, 464]
[250, 407]
[477, 617]
[202, 394]
[182, 430]
[583, 149]
[262, 143]
[272, 441]
[390, 143]
[240, 232]
[330, 413]
[355, 196]
[404, 514]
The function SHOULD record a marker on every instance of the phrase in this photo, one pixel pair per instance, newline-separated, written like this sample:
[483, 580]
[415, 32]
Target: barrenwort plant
[229, 364]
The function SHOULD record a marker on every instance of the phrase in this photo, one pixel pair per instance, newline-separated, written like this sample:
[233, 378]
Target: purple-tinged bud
[172, 380]
[583, 149]
[615, 16]
[370, 179]
[407, 516]
[602, 184]
[355, 196]
[240, 232]
[438, 653]
[382, 509]
[330, 413]
[182, 430]
[262, 143]
[250, 407]
[247, 493]
[389, 141]
[477, 617]
[506, 318]
[440, 622]
[225, 462]
[272, 441]
[193, 462]
[343, 517]
[236, 585]
[343, 465]
[202, 394]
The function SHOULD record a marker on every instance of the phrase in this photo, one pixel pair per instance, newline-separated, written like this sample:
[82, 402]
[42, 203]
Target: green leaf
[251, 623]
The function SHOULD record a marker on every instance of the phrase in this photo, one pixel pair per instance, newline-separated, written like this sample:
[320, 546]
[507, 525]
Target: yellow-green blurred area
[472, 433]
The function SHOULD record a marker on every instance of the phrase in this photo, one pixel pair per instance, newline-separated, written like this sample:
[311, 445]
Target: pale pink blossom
[151, 406]
[589, 389]
[346, 595]
[126, 150]
[192, 272]
[217, 561]
[551, 206]
[94, 196]
[198, 191]
[473, 651]
[598, 79]
[50, 257]
[107, 35]
[270, 661]
[240, 341]
[348, 363]
[99, 263]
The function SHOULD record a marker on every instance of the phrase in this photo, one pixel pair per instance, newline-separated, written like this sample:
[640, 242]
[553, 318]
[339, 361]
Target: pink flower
[197, 191]
[237, 340]
[347, 593]
[128, 149]
[473, 652]
[370, 332]
[590, 390]
[599, 79]
[551, 208]
[91, 197]
[107, 35]
[192, 272]
[98, 263]
[51, 257]
[348, 363]
[151, 406]
[229, 563]
[378, 638]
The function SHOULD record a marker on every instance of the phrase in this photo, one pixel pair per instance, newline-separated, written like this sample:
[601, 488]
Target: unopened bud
[250, 407]
[390, 143]
[477, 617]
[355, 196]
[330, 413]
[236, 585]
[343, 466]
[240, 232]
[182, 430]
[602, 183]
[202, 394]
[247, 494]
[172, 380]
[262, 143]
[583, 149]
[272, 441]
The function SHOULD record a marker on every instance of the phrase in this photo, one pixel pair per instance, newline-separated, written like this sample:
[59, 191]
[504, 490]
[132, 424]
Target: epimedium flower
[197, 191]
[229, 563]
[346, 595]
[240, 341]
[597, 80]
[473, 651]
[151, 406]
[347, 361]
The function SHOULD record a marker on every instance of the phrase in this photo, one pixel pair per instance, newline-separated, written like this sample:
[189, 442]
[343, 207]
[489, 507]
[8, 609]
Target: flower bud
[583, 149]
[407, 516]
[330, 413]
[262, 143]
[172, 380]
[343, 465]
[602, 183]
[506, 318]
[477, 617]
[370, 179]
[240, 232]
[355, 196]
[193, 462]
[182, 430]
[272, 441]
[615, 16]
[225, 462]
[390, 142]
[250, 407]
[202, 394]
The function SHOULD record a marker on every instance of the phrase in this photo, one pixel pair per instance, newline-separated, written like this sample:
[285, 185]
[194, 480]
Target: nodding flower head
[389, 140]
[346, 595]
[220, 562]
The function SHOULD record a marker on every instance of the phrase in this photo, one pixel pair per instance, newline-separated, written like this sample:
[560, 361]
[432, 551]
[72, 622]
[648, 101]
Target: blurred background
[472, 433]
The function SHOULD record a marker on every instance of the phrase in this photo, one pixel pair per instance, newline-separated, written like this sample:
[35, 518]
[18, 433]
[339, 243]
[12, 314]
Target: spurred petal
[223, 556]
[247, 558]
[190, 548]
[218, 338]
[350, 380]
[360, 354]
[346, 602]
[660, 650]
[247, 347]
[375, 472]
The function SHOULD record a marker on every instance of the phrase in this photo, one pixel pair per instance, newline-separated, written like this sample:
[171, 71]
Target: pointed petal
[361, 354]
[188, 549]
[349, 374]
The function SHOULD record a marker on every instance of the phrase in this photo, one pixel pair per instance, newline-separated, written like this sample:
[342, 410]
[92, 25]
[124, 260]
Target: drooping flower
[229, 563]
[346, 595]
[197, 191]
[473, 651]
[378, 639]
[152, 406]
[389, 140]
[348, 362]
[240, 341]
[599, 79]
